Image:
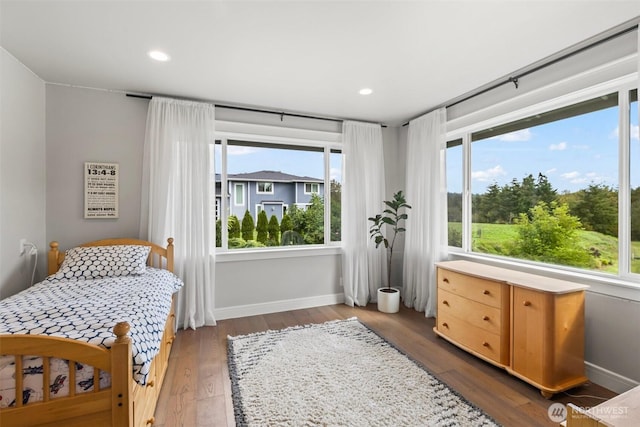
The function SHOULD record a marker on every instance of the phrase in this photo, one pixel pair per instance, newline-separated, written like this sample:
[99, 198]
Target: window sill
[292, 252]
[598, 283]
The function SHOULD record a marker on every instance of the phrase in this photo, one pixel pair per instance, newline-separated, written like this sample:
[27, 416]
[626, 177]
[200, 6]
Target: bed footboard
[111, 406]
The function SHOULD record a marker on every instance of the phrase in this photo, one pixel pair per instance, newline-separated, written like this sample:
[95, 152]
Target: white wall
[92, 125]
[22, 172]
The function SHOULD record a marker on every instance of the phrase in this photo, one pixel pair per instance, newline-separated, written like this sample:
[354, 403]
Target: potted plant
[389, 297]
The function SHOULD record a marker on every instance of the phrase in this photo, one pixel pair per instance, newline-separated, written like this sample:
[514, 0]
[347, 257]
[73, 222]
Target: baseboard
[609, 379]
[277, 306]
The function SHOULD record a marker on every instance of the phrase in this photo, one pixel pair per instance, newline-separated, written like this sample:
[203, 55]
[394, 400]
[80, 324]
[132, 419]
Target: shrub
[274, 231]
[262, 228]
[291, 238]
[248, 226]
[286, 223]
[233, 225]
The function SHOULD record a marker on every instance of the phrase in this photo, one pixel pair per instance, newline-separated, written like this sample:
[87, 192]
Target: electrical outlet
[23, 242]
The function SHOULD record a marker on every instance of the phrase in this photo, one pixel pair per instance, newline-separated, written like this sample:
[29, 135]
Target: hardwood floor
[197, 389]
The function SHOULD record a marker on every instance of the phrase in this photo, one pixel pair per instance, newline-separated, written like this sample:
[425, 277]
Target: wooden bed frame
[125, 403]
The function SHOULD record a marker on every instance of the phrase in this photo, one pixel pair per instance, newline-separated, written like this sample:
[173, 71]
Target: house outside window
[268, 180]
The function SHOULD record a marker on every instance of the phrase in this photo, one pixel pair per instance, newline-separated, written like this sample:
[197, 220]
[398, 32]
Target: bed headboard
[159, 257]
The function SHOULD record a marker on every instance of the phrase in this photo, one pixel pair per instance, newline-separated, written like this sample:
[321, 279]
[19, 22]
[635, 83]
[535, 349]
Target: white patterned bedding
[87, 310]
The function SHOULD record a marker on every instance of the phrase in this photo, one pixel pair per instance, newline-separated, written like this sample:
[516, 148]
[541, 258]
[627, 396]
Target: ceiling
[310, 57]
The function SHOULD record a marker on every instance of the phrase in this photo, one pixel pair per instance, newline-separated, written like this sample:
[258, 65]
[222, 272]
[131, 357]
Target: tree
[635, 215]
[544, 191]
[297, 218]
[488, 205]
[454, 207]
[218, 233]
[313, 223]
[248, 226]
[597, 208]
[233, 226]
[262, 227]
[286, 224]
[548, 233]
[336, 211]
[273, 230]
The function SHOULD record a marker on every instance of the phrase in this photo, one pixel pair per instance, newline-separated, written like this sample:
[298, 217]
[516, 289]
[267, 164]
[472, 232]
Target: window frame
[311, 184]
[237, 185]
[274, 135]
[258, 183]
[624, 283]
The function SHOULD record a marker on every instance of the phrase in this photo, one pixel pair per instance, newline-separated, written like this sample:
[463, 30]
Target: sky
[572, 153]
[245, 159]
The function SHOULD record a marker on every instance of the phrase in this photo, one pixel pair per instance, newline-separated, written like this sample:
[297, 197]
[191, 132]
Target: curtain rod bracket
[514, 80]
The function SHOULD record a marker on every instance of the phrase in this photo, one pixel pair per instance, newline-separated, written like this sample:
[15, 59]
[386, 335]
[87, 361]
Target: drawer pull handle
[485, 344]
[526, 303]
[444, 325]
[445, 302]
[151, 421]
[485, 317]
[445, 280]
[486, 292]
[151, 383]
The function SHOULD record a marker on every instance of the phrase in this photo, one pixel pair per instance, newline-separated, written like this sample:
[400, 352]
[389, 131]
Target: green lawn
[495, 239]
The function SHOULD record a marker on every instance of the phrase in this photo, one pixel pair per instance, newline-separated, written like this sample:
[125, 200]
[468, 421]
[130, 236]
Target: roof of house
[269, 176]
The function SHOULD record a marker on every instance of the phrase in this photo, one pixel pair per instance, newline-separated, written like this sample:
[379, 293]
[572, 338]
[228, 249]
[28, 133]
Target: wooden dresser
[530, 325]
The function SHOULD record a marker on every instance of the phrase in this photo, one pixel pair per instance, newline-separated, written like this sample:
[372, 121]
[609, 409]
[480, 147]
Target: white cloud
[489, 174]
[576, 177]
[237, 150]
[519, 135]
[570, 175]
[550, 171]
[634, 130]
[558, 147]
[580, 146]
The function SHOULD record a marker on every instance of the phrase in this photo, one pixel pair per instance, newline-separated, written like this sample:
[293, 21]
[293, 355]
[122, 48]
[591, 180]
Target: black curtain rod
[257, 110]
[515, 79]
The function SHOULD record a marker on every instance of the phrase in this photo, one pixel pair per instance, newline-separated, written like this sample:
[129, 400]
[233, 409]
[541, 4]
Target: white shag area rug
[338, 373]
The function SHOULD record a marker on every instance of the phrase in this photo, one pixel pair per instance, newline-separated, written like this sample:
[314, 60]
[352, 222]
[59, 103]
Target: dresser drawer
[481, 315]
[482, 290]
[472, 337]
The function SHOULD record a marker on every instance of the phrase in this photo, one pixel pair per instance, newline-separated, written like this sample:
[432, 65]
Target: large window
[277, 194]
[547, 188]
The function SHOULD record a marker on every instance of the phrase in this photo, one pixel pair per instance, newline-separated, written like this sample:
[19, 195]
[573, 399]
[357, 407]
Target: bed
[90, 344]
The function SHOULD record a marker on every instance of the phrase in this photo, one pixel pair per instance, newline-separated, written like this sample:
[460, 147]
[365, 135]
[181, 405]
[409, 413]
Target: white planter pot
[388, 302]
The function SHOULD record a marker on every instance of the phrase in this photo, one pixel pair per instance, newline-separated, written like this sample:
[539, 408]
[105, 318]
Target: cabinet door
[531, 333]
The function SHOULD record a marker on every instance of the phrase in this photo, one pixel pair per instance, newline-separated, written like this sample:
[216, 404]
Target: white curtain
[426, 236]
[176, 199]
[364, 268]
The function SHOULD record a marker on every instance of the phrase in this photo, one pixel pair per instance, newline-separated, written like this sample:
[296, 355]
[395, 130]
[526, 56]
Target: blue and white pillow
[93, 262]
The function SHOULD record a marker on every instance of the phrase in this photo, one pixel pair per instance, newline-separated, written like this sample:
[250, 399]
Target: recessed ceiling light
[365, 91]
[159, 56]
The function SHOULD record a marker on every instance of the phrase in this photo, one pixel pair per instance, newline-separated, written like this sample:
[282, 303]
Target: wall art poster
[100, 190]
